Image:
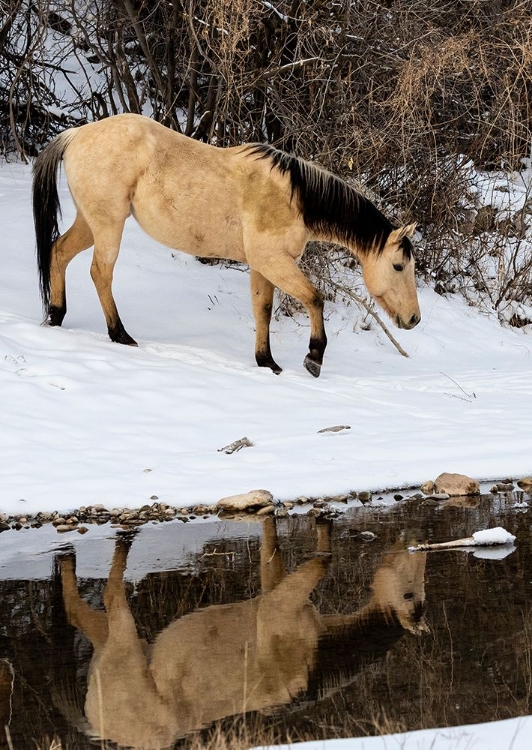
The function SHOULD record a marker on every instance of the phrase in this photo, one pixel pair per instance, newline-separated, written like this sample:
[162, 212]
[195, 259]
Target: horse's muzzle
[407, 325]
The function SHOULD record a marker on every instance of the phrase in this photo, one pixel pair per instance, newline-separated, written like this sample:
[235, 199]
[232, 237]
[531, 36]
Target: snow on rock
[497, 535]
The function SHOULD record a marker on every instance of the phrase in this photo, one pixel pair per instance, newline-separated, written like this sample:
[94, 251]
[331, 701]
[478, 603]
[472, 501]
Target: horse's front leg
[283, 272]
[262, 300]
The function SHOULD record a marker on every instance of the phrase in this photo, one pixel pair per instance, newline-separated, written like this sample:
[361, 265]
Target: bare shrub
[409, 99]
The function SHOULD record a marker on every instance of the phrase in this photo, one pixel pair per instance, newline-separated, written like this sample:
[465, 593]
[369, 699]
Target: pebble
[64, 527]
[364, 497]
[266, 510]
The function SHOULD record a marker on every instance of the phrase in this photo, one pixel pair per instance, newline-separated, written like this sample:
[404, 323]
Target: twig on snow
[375, 315]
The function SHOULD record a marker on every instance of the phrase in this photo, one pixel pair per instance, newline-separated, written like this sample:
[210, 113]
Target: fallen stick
[488, 537]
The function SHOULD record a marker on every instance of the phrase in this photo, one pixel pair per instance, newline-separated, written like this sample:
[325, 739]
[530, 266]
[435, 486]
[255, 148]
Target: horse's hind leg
[92, 623]
[74, 241]
[262, 300]
[272, 570]
[106, 248]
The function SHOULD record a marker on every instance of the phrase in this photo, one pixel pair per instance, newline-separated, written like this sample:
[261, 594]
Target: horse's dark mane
[330, 206]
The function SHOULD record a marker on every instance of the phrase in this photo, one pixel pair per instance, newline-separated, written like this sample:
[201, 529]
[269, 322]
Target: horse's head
[389, 277]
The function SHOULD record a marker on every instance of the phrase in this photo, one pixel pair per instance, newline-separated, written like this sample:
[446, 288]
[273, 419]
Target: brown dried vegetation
[404, 97]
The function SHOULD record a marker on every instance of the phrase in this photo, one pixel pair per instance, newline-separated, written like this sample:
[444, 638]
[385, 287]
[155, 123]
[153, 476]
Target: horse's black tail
[46, 207]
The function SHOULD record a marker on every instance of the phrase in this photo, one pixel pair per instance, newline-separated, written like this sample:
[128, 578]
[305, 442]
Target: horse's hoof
[313, 367]
[267, 361]
[122, 337]
[55, 316]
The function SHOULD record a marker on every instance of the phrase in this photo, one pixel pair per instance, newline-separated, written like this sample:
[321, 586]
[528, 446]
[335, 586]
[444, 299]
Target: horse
[251, 203]
[216, 662]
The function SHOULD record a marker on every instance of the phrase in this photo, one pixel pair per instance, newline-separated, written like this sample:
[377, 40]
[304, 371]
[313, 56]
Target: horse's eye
[398, 267]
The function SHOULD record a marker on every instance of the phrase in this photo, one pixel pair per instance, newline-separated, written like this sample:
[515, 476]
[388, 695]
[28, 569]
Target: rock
[367, 536]
[438, 496]
[59, 521]
[428, 487]
[266, 510]
[246, 501]
[364, 497]
[82, 529]
[279, 512]
[64, 527]
[336, 428]
[525, 483]
[502, 487]
[4, 526]
[397, 497]
[456, 485]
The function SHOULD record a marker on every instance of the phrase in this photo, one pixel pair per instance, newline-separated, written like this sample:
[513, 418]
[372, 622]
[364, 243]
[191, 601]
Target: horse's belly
[200, 227]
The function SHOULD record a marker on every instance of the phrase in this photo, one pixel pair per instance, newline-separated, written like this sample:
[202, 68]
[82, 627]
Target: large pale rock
[456, 485]
[246, 501]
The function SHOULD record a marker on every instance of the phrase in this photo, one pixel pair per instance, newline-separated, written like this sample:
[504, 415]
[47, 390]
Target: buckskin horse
[249, 203]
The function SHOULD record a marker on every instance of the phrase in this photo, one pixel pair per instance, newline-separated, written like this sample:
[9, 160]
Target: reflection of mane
[228, 659]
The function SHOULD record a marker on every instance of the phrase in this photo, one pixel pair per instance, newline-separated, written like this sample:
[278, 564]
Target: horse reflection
[224, 659]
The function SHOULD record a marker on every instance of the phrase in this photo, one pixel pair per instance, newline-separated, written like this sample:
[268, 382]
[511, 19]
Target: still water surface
[268, 630]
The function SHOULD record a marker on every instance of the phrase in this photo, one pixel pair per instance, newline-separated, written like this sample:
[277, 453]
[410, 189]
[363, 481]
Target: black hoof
[55, 316]
[313, 367]
[120, 336]
[267, 361]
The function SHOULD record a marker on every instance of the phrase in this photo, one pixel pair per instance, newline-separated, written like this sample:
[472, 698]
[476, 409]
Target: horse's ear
[397, 235]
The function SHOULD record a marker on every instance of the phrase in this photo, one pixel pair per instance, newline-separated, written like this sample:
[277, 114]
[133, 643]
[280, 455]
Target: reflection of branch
[372, 312]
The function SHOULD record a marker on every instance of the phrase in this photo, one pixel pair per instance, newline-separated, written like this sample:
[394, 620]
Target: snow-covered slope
[83, 418]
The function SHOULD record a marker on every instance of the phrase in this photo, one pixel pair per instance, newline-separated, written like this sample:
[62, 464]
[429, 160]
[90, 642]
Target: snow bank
[87, 421]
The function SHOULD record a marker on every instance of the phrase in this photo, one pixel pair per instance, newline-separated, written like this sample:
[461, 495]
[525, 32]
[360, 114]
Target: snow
[86, 421]
[498, 535]
[510, 734]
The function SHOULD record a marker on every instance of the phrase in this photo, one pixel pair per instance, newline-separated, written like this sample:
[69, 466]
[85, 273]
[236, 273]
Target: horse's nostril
[414, 320]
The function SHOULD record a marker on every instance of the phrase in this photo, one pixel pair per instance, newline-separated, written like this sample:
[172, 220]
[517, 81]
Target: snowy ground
[512, 734]
[83, 418]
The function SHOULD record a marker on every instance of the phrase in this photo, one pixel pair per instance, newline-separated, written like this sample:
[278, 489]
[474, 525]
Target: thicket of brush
[406, 98]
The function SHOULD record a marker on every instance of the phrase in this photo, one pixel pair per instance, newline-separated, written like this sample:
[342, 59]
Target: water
[366, 639]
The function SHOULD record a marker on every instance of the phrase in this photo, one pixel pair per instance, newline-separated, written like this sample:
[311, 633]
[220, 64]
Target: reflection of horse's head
[398, 589]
